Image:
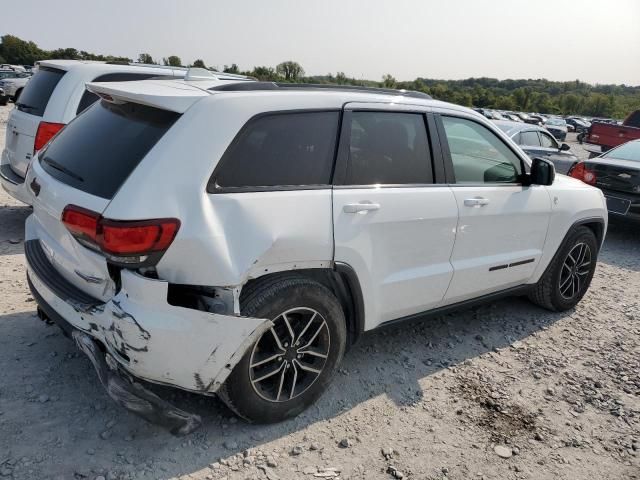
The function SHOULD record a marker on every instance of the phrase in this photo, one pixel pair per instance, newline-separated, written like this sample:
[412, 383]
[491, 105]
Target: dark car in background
[557, 127]
[617, 174]
[537, 142]
[579, 124]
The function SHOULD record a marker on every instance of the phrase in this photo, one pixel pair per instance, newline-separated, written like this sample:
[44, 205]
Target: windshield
[628, 151]
[556, 121]
[36, 93]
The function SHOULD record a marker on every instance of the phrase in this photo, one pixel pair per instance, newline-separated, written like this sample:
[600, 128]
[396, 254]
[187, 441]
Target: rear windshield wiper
[61, 168]
[24, 106]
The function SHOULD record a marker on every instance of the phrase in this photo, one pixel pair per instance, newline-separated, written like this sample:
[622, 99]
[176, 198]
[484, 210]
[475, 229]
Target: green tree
[291, 71]
[264, 74]
[20, 52]
[341, 78]
[233, 68]
[172, 61]
[2, 59]
[199, 63]
[505, 102]
[146, 58]
[522, 97]
[388, 81]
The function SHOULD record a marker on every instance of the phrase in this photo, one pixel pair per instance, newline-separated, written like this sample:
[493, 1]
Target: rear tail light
[46, 131]
[581, 172]
[128, 243]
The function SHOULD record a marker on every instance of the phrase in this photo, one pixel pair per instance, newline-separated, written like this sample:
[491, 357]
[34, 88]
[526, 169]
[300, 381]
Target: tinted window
[529, 139]
[388, 148]
[285, 149]
[99, 149]
[478, 155]
[38, 90]
[548, 141]
[89, 98]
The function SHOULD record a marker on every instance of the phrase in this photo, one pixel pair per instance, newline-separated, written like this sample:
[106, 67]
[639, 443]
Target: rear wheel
[290, 365]
[4, 100]
[568, 278]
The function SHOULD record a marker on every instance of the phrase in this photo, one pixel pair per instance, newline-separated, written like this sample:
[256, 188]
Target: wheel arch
[342, 281]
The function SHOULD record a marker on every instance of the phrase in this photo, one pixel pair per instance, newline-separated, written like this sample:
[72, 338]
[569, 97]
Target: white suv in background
[54, 96]
[237, 239]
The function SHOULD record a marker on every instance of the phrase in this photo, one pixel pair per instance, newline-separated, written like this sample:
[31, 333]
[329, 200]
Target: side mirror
[542, 172]
[564, 147]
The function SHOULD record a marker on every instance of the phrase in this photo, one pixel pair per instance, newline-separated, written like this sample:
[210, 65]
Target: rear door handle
[476, 202]
[360, 207]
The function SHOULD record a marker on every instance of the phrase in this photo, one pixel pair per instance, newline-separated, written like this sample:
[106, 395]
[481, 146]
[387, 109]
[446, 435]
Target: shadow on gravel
[387, 362]
[12, 228]
[622, 245]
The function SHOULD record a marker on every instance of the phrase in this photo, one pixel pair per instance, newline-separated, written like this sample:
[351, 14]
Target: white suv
[238, 239]
[53, 97]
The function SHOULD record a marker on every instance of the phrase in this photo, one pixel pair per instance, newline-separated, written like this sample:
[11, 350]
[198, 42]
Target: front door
[502, 224]
[392, 224]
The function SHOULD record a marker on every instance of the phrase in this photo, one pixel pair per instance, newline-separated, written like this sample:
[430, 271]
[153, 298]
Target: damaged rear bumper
[148, 338]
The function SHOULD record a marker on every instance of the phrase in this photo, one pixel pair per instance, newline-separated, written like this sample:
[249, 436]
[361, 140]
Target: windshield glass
[556, 121]
[628, 151]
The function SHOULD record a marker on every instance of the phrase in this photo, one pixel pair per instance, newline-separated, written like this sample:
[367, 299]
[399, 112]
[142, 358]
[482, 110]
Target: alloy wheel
[290, 356]
[575, 271]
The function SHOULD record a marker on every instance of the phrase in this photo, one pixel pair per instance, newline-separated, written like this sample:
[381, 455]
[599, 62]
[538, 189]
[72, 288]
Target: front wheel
[291, 364]
[568, 278]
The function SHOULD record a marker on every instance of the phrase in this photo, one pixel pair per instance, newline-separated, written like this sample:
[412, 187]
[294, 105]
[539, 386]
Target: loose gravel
[504, 391]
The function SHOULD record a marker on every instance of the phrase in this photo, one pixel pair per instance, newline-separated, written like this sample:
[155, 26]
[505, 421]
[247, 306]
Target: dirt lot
[558, 394]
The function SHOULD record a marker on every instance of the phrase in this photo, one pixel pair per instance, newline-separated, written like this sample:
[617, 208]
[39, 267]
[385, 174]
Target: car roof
[511, 128]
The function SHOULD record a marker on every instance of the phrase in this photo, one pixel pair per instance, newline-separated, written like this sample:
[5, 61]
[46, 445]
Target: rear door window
[388, 148]
[38, 90]
[529, 139]
[279, 150]
[99, 149]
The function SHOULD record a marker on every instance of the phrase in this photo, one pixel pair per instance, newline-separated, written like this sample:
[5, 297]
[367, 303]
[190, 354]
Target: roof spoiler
[176, 97]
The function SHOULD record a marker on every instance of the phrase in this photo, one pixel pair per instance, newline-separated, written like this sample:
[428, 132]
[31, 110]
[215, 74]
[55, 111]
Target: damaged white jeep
[235, 240]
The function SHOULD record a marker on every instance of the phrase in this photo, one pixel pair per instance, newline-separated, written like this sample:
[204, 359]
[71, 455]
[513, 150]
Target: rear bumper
[12, 182]
[147, 337]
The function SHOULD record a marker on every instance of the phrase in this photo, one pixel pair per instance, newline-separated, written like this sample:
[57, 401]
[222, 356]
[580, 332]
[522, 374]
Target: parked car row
[11, 83]
[234, 237]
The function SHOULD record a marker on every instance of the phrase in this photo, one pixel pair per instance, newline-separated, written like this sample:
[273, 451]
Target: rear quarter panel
[225, 239]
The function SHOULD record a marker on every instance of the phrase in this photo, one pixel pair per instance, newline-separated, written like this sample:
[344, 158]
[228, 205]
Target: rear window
[279, 150]
[100, 148]
[38, 90]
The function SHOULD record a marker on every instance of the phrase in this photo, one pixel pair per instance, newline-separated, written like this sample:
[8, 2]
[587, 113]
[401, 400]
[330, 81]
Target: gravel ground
[505, 391]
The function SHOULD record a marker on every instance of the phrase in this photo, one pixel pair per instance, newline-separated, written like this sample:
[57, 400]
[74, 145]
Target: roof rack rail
[257, 86]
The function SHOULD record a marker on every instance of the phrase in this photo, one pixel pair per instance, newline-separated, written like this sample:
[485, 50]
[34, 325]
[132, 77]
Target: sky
[597, 41]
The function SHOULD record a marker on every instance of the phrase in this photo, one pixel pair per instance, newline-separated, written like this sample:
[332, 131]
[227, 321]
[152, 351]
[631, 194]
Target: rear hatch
[25, 118]
[85, 165]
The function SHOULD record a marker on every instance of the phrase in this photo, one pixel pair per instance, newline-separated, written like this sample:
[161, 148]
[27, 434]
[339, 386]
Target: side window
[280, 149]
[478, 155]
[529, 139]
[548, 141]
[388, 148]
[89, 98]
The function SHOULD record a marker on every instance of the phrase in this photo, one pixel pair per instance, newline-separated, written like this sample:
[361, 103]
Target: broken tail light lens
[46, 131]
[581, 172]
[130, 243]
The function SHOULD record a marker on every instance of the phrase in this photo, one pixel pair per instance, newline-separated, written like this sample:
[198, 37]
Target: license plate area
[617, 205]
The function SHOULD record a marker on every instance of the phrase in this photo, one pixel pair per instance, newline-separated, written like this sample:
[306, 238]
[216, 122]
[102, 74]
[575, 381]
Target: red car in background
[609, 135]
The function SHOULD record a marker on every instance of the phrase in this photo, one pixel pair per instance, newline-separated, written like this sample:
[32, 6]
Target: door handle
[360, 207]
[476, 202]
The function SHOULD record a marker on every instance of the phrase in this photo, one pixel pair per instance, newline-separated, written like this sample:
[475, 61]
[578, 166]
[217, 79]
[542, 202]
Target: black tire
[551, 290]
[4, 100]
[296, 295]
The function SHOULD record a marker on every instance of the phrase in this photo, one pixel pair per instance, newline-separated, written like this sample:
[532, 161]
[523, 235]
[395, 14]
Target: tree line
[529, 95]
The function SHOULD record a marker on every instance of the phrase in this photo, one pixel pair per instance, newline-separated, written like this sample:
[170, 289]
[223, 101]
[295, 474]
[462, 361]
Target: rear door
[502, 224]
[25, 118]
[392, 224]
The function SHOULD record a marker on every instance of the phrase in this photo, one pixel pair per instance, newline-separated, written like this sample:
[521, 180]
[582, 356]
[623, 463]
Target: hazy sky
[597, 41]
